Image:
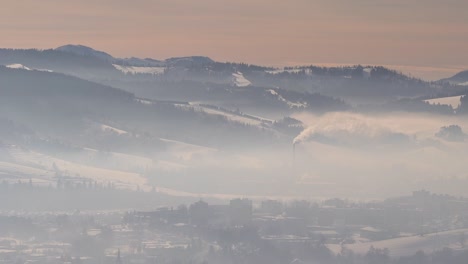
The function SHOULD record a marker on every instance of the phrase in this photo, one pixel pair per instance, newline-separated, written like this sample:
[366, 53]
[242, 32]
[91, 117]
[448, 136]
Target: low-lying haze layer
[381, 155]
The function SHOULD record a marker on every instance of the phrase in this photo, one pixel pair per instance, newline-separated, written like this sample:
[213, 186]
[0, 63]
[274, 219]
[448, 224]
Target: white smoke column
[344, 126]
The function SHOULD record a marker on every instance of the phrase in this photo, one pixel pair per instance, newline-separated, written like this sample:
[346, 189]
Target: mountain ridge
[233, 85]
[460, 78]
[85, 51]
[133, 61]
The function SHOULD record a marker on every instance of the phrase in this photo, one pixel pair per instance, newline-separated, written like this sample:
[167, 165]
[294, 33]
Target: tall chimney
[294, 154]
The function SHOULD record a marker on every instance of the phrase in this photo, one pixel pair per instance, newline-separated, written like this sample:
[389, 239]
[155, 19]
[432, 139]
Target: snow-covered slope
[293, 70]
[44, 168]
[140, 70]
[111, 129]
[289, 103]
[22, 67]
[239, 80]
[453, 101]
[230, 115]
[405, 246]
[18, 66]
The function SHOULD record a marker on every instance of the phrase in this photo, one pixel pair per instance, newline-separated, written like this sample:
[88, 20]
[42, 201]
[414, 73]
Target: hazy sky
[429, 34]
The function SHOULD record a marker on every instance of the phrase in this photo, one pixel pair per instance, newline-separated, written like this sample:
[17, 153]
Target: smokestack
[294, 172]
[294, 154]
[293, 163]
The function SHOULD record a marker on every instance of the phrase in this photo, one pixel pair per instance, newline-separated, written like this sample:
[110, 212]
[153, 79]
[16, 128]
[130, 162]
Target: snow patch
[42, 167]
[107, 128]
[18, 66]
[406, 246]
[44, 70]
[277, 71]
[22, 67]
[453, 101]
[240, 117]
[145, 102]
[273, 92]
[296, 70]
[289, 103]
[367, 72]
[140, 70]
[240, 80]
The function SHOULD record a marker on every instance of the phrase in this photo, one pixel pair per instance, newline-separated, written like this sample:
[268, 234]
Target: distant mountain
[460, 78]
[85, 51]
[83, 66]
[194, 78]
[189, 61]
[27, 82]
[138, 62]
[64, 108]
[133, 61]
[256, 89]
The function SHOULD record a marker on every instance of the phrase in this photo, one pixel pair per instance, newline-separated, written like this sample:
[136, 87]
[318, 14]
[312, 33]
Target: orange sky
[428, 37]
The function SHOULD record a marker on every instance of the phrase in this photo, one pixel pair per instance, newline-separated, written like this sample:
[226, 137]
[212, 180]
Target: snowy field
[295, 70]
[244, 119]
[453, 101]
[22, 67]
[240, 80]
[107, 128]
[140, 70]
[405, 246]
[289, 103]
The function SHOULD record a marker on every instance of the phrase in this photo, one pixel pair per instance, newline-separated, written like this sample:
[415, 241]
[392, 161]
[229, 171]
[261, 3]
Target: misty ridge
[191, 160]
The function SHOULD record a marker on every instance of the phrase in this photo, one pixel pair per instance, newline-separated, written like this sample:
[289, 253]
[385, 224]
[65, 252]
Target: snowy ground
[50, 166]
[125, 171]
[22, 67]
[107, 128]
[295, 70]
[405, 246]
[240, 80]
[453, 101]
[140, 70]
[289, 103]
[245, 119]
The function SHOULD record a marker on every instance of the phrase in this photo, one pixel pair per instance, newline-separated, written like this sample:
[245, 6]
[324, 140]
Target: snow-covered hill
[140, 69]
[239, 80]
[22, 67]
